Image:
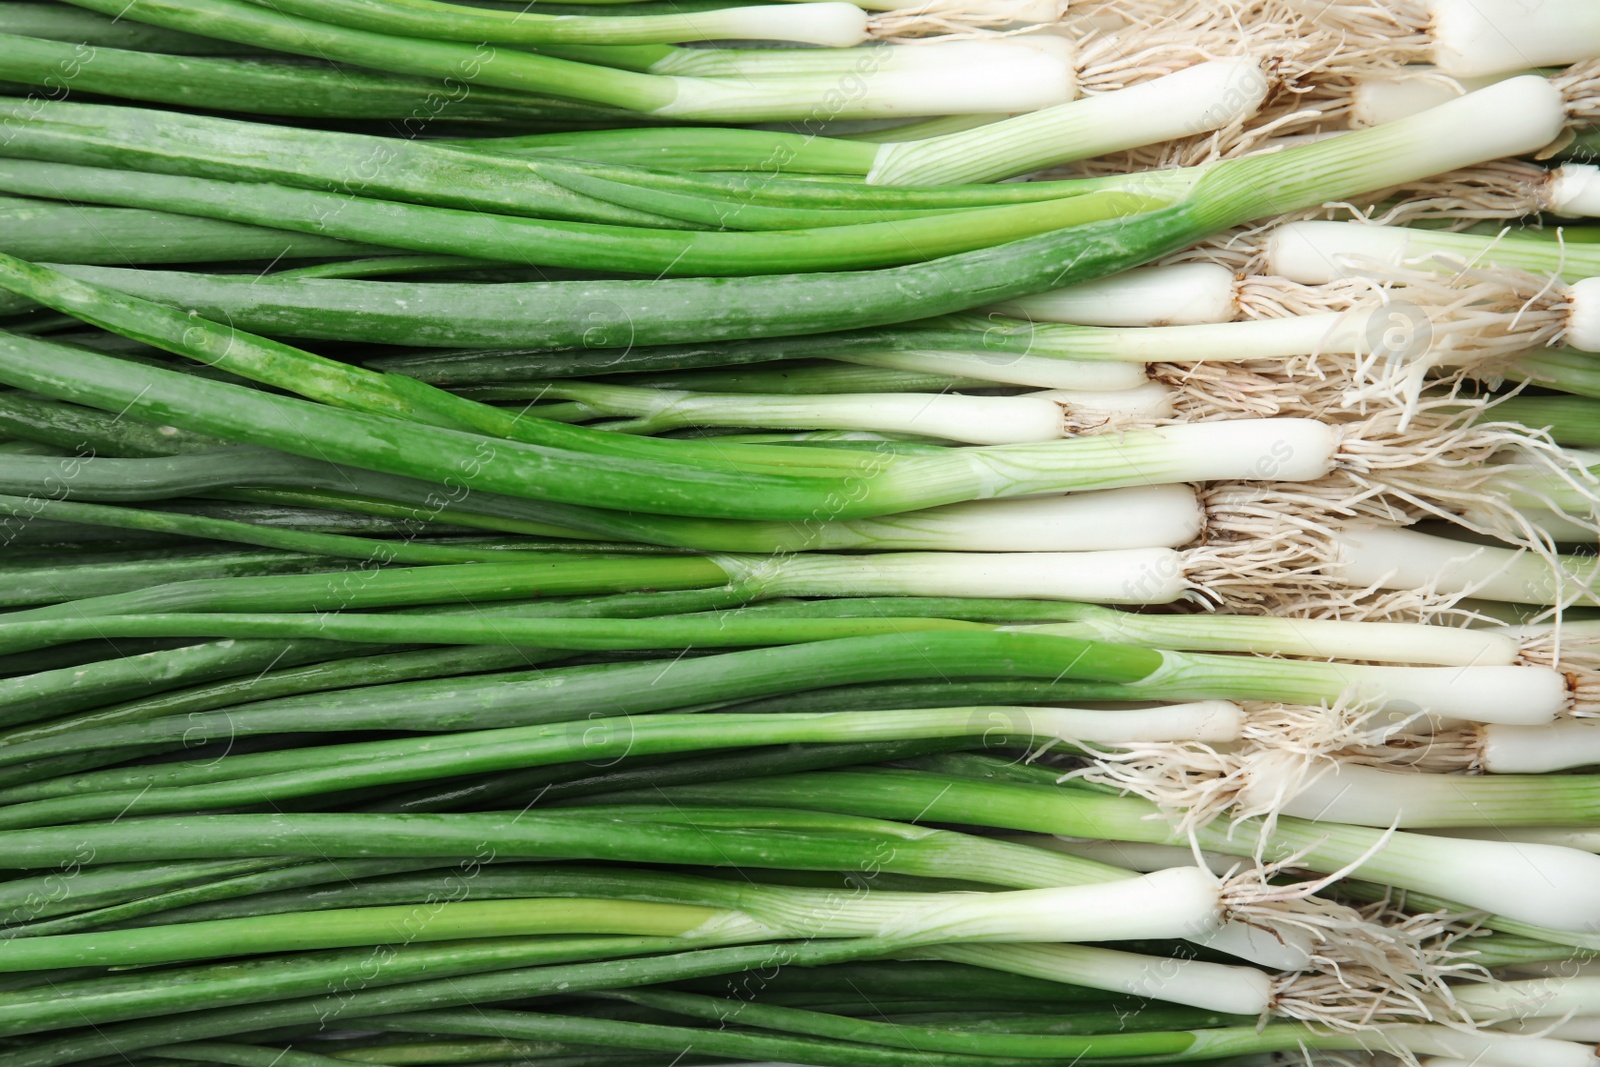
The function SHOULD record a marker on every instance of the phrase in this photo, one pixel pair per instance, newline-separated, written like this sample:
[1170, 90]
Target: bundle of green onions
[980, 533]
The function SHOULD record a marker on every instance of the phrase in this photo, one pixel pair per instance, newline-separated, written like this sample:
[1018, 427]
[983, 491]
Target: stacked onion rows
[989, 533]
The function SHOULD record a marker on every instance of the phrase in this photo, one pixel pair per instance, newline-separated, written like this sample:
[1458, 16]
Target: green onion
[1026, 85]
[115, 67]
[1319, 252]
[44, 230]
[1289, 447]
[824, 23]
[245, 779]
[1534, 883]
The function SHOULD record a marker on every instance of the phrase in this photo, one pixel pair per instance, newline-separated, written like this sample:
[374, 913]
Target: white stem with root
[1570, 646]
[1574, 191]
[1283, 948]
[1519, 695]
[1376, 557]
[1183, 294]
[1559, 746]
[1361, 795]
[1463, 38]
[1316, 253]
[1362, 965]
[1280, 949]
[1478, 37]
[1290, 450]
[1384, 342]
[1203, 97]
[1277, 546]
[1386, 97]
[1539, 998]
[1274, 551]
[1389, 96]
[1085, 412]
[1583, 323]
[1150, 516]
[1553, 886]
[1280, 749]
[1478, 1048]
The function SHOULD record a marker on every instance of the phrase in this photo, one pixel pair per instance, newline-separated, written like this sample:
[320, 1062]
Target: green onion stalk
[1200, 98]
[222, 985]
[1079, 968]
[481, 899]
[996, 347]
[61, 233]
[1504, 119]
[1176, 902]
[733, 579]
[203, 677]
[529, 698]
[1532, 883]
[386, 1007]
[637, 243]
[446, 174]
[1094, 361]
[357, 166]
[1374, 796]
[1572, 421]
[1565, 370]
[1476, 694]
[119, 894]
[1318, 252]
[1467, 39]
[1164, 516]
[62, 22]
[1202, 901]
[1026, 85]
[272, 362]
[814, 377]
[251, 779]
[825, 23]
[1410, 559]
[624, 472]
[199, 526]
[260, 86]
[1171, 1046]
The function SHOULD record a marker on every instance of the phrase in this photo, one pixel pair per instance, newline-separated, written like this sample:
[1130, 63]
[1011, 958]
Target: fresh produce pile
[616, 534]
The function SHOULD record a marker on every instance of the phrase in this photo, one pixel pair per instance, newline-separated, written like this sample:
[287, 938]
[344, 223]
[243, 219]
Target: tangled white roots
[1368, 966]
